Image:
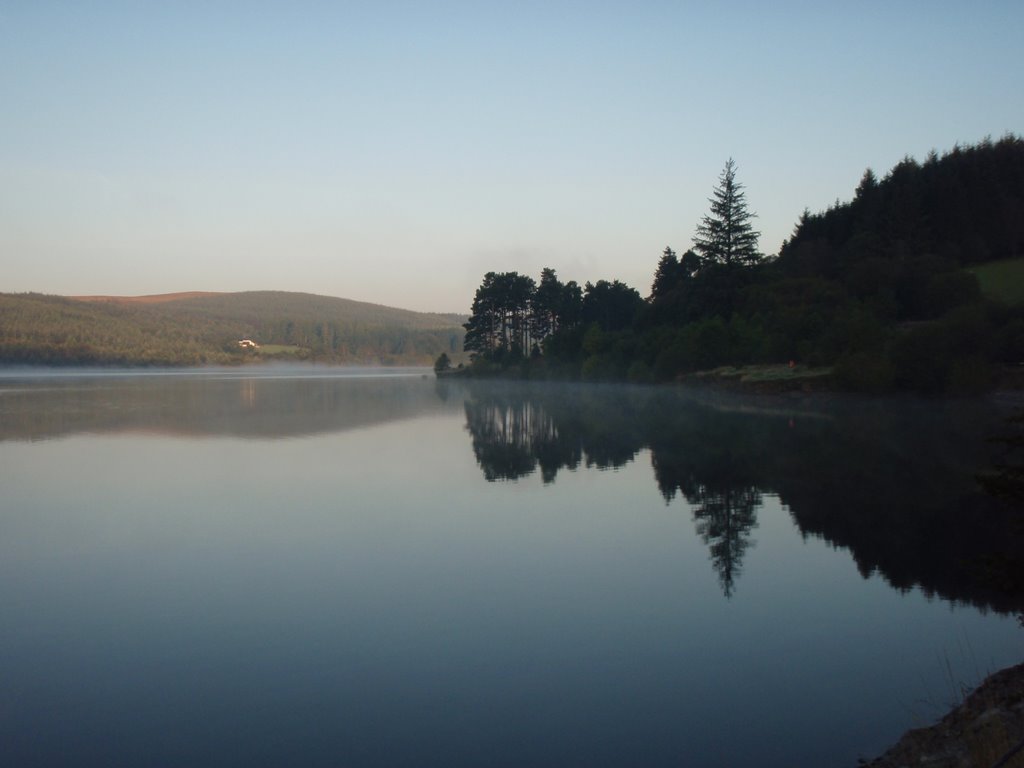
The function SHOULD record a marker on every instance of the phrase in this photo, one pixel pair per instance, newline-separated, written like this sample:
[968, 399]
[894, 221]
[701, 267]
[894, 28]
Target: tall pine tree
[725, 236]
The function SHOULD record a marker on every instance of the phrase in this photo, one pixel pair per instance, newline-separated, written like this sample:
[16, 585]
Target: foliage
[673, 274]
[547, 305]
[951, 355]
[612, 306]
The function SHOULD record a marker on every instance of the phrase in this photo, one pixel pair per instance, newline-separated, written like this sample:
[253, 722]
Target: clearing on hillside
[1002, 280]
[158, 298]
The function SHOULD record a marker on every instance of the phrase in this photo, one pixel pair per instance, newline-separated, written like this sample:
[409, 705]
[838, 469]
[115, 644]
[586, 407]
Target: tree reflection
[511, 437]
[514, 434]
[724, 520]
[721, 491]
[892, 482]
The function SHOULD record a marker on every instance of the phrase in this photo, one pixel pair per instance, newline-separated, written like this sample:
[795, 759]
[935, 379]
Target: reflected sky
[270, 402]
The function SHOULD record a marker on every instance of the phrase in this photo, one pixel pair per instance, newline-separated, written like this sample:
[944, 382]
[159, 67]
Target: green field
[280, 349]
[1002, 280]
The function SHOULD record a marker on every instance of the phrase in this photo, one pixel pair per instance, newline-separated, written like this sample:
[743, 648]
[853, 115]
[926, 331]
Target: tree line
[883, 289]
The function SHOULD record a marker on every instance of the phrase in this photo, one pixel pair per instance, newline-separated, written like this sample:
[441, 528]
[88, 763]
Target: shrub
[640, 373]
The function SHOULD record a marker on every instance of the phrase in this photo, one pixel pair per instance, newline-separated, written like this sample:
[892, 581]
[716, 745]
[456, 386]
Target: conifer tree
[667, 274]
[725, 236]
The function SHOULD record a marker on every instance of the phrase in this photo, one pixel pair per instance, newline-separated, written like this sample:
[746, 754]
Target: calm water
[323, 567]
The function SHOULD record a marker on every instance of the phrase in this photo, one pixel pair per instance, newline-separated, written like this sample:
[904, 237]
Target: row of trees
[512, 315]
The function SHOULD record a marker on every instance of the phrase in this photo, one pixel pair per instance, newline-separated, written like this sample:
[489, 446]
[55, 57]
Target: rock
[976, 734]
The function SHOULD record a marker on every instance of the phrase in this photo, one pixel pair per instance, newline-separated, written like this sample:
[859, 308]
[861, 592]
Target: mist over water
[313, 567]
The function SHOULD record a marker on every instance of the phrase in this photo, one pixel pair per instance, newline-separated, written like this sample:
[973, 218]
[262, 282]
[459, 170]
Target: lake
[331, 567]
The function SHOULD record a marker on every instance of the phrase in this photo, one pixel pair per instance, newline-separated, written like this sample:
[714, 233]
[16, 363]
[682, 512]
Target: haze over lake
[318, 566]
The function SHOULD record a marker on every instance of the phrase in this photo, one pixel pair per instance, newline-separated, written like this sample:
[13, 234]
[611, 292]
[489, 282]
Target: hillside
[961, 208]
[204, 328]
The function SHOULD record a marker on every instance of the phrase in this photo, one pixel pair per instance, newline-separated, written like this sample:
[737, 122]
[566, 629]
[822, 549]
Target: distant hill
[198, 328]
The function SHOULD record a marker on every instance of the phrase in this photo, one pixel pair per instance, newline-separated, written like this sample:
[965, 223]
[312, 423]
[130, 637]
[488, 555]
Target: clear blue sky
[395, 152]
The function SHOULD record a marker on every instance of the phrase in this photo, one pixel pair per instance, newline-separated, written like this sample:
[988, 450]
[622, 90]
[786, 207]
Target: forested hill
[205, 328]
[916, 283]
[965, 207]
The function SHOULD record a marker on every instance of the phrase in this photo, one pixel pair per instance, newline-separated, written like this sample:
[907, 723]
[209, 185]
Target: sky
[395, 152]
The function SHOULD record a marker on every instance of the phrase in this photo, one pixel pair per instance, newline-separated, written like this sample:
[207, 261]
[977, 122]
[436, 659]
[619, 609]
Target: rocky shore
[981, 732]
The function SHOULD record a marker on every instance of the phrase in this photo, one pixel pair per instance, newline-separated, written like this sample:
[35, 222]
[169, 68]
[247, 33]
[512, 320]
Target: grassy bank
[1002, 280]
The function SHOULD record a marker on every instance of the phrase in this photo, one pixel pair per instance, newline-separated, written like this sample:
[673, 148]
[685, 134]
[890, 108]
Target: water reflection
[262, 403]
[511, 437]
[894, 482]
[158, 583]
[517, 431]
[724, 522]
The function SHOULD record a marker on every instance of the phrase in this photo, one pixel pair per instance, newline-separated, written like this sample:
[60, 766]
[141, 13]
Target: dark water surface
[346, 568]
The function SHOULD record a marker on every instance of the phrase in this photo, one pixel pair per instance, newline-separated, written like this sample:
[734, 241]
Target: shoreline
[984, 731]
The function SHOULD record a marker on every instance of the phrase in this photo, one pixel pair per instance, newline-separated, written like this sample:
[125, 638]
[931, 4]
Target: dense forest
[910, 285]
[198, 329]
